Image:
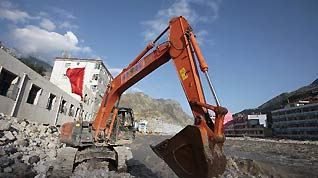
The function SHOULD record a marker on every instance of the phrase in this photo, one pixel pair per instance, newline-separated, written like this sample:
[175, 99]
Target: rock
[10, 150]
[23, 170]
[5, 161]
[2, 152]
[17, 156]
[2, 116]
[2, 143]
[22, 142]
[9, 135]
[3, 139]
[51, 145]
[4, 125]
[15, 133]
[41, 168]
[23, 124]
[53, 129]
[7, 170]
[51, 154]
[40, 176]
[34, 159]
[124, 154]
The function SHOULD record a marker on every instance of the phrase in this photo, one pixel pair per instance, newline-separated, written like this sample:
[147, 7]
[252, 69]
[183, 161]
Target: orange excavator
[196, 151]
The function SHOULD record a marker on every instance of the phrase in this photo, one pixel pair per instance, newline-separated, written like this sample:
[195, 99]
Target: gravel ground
[247, 157]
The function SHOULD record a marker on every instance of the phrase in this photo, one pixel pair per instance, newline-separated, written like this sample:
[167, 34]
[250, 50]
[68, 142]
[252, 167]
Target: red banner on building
[76, 76]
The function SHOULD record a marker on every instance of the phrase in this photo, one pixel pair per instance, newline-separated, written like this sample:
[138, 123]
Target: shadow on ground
[138, 169]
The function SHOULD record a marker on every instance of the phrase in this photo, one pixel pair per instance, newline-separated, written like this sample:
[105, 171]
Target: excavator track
[95, 153]
[68, 158]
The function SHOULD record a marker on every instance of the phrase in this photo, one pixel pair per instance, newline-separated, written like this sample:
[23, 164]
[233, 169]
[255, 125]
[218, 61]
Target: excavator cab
[124, 131]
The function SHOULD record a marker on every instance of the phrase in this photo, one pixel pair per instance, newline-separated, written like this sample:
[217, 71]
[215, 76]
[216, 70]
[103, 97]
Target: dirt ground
[247, 157]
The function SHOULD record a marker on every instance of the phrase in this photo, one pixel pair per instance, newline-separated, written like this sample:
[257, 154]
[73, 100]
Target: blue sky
[255, 49]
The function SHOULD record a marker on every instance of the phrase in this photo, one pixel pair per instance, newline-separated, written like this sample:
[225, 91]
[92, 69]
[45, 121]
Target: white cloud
[8, 12]
[208, 13]
[115, 71]
[68, 25]
[47, 24]
[32, 40]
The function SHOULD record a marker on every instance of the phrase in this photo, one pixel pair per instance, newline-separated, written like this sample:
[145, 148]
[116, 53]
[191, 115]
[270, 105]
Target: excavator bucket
[189, 154]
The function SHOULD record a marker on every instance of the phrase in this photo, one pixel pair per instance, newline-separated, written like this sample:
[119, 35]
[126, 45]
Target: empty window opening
[63, 107]
[34, 94]
[95, 77]
[50, 102]
[97, 65]
[77, 112]
[8, 84]
[71, 111]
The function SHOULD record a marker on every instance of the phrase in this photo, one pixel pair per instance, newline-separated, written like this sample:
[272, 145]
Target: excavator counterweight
[196, 151]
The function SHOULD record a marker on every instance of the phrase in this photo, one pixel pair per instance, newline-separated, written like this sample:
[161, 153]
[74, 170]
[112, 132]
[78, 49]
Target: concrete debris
[29, 149]
[34, 159]
[4, 125]
[9, 135]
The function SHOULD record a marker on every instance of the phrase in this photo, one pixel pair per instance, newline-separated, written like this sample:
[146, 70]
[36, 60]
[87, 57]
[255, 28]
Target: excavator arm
[197, 150]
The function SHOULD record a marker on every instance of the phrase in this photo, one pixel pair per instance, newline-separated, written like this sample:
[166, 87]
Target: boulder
[5, 125]
[7, 170]
[10, 150]
[9, 135]
[34, 159]
[5, 161]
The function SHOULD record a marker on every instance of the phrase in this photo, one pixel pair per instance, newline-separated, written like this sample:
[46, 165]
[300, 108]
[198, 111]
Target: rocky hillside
[148, 108]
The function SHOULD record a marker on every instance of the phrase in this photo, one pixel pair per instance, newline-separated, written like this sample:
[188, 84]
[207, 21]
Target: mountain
[148, 108]
[37, 65]
[308, 92]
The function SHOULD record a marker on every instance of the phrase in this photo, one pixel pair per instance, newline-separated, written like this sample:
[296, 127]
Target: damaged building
[26, 94]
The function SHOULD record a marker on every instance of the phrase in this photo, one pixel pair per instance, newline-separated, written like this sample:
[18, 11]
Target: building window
[95, 77]
[50, 101]
[71, 111]
[94, 87]
[8, 84]
[77, 112]
[97, 65]
[34, 94]
[63, 107]
[85, 98]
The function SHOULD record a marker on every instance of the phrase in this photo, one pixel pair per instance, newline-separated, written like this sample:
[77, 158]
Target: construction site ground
[247, 157]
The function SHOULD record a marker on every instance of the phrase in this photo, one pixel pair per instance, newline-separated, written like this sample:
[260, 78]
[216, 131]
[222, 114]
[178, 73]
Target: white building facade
[96, 79]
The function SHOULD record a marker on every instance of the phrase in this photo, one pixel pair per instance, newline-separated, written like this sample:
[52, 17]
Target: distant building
[250, 125]
[26, 94]
[142, 126]
[96, 79]
[262, 118]
[297, 122]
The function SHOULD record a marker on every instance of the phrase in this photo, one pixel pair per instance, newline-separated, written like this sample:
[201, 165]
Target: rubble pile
[26, 149]
[29, 149]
